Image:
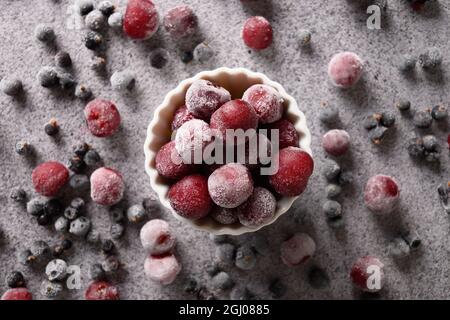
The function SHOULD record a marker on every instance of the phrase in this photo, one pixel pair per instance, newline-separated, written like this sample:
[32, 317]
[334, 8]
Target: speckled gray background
[337, 25]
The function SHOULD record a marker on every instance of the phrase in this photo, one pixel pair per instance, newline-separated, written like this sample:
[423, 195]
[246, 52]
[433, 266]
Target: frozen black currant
[439, 112]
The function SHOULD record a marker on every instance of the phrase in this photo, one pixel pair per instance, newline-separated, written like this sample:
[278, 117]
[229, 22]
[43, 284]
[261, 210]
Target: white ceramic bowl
[236, 81]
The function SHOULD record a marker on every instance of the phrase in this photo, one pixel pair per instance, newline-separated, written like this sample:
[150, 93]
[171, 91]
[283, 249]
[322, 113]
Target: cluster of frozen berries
[430, 60]
[377, 124]
[227, 193]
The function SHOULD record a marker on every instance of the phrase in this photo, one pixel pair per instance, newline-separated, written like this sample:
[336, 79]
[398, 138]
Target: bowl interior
[236, 81]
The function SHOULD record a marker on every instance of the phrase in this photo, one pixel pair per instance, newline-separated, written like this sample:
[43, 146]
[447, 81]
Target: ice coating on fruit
[181, 116]
[180, 21]
[287, 134]
[191, 139]
[141, 20]
[224, 215]
[190, 198]
[102, 117]
[156, 237]
[336, 142]
[49, 177]
[204, 97]
[381, 194]
[257, 33]
[162, 269]
[259, 209]
[295, 166]
[107, 186]
[17, 294]
[266, 101]
[230, 185]
[101, 290]
[297, 249]
[169, 164]
[345, 69]
[367, 274]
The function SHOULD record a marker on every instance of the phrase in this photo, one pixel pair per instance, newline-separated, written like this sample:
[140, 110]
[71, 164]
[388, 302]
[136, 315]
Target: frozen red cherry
[367, 274]
[101, 290]
[189, 197]
[181, 116]
[257, 33]
[230, 185]
[295, 166]
[204, 97]
[235, 114]
[297, 249]
[180, 22]
[102, 117]
[336, 142]
[191, 140]
[162, 269]
[169, 164]
[345, 69]
[17, 294]
[156, 237]
[266, 101]
[107, 186]
[259, 209]
[224, 215]
[287, 134]
[381, 194]
[49, 177]
[141, 20]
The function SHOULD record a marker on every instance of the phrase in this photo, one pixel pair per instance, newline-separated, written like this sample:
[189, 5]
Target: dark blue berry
[439, 112]
[187, 56]
[423, 119]
[93, 40]
[15, 279]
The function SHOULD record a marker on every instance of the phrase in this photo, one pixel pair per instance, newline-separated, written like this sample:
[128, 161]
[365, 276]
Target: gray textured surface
[336, 25]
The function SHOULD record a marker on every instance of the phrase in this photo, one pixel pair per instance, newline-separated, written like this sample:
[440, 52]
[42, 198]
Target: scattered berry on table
[387, 119]
[259, 209]
[76, 164]
[96, 272]
[80, 226]
[439, 112]
[224, 215]
[203, 52]
[377, 134]
[35, 206]
[98, 64]
[295, 166]
[191, 139]
[107, 186]
[136, 213]
[187, 56]
[329, 114]
[332, 190]
[430, 59]
[266, 101]
[15, 279]
[381, 194]
[61, 224]
[49, 177]
[157, 238]
[225, 254]
[95, 20]
[141, 20]
[85, 6]
[26, 258]
[44, 33]
[231, 185]
[40, 250]
[277, 289]
[83, 92]
[106, 7]
[159, 58]
[415, 147]
[331, 170]
[245, 258]
[361, 273]
[318, 278]
[431, 143]
[48, 77]
[102, 117]
[80, 148]
[56, 270]
[403, 105]
[257, 33]
[123, 81]
[297, 249]
[66, 80]
[92, 158]
[18, 195]
[101, 290]
[180, 22]
[111, 264]
[336, 142]
[170, 165]
[71, 213]
[93, 41]
[117, 230]
[332, 210]
[222, 281]
[398, 248]
[345, 69]
[162, 269]
[115, 20]
[116, 214]
[407, 63]
[412, 239]
[79, 182]
[108, 246]
[10, 86]
[204, 97]
[17, 294]
[63, 59]
[181, 116]
[51, 128]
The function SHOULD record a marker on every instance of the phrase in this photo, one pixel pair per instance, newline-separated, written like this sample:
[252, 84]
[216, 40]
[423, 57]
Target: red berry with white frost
[189, 197]
[259, 209]
[367, 274]
[345, 69]
[191, 140]
[102, 117]
[101, 290]
[156, 237]
[180, 22]
[204, 97]
[297, 249]
[141, 20]
[257, 33]
[162, 269]
[49, 178]
[230, 185]
[266, 101]
[107, 186]
[169, 164]
[181, 116]
[295, 166]
[17, 294]
[287, 134]
[336, 142]
[381, 194]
